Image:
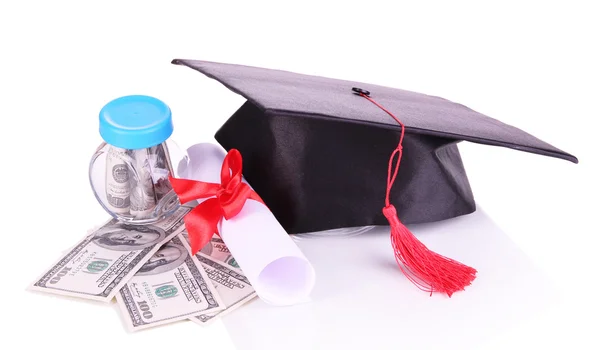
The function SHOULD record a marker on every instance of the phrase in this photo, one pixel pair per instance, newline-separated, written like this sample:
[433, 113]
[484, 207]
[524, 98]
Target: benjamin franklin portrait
[119, 236]
[166, 258]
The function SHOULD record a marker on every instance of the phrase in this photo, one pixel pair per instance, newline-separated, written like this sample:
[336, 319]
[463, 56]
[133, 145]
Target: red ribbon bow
[229, 199]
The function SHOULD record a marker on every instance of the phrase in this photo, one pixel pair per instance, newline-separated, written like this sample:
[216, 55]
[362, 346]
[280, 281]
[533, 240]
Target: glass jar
[129, 172]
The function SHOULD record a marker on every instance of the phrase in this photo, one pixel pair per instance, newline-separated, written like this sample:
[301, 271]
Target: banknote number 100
[60, 275]
[143, 305]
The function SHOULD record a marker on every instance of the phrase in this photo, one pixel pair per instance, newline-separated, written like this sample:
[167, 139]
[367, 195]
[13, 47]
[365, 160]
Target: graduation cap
[325, 153]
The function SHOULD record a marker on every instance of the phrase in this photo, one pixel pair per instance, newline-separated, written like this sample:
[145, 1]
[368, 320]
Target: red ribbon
[228, 200]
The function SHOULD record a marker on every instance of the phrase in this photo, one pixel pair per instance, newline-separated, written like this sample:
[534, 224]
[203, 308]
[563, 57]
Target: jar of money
[129, 173]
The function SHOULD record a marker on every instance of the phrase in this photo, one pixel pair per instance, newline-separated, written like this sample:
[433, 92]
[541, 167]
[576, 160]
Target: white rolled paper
[272, 262]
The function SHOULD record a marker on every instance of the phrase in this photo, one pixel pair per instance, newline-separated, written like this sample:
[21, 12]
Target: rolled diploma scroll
[272, 262]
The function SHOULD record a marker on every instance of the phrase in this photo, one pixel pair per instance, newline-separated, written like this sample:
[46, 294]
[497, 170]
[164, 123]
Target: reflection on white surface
[363, 301]
[338, 232]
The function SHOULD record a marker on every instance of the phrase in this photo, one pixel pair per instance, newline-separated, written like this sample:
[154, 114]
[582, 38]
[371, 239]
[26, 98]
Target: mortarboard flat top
[317, 153]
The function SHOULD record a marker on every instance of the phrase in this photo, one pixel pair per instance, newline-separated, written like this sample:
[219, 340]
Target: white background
[531, 64]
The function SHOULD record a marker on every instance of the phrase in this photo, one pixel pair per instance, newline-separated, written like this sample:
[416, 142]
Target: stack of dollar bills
[151, 273]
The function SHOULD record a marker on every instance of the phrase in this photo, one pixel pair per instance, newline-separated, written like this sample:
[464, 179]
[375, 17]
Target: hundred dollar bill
[99, 265]
[217, 250]
[117, 180]
[171, 286]
[160, 168]
[142, 197]
[233, 287]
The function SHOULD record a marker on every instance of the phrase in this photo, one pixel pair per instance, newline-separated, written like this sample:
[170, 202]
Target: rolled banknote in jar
[160, 166]
[117, 180]
[276, 268]
[143, 198]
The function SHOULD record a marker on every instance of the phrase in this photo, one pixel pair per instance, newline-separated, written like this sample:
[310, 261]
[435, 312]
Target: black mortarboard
[317, 152]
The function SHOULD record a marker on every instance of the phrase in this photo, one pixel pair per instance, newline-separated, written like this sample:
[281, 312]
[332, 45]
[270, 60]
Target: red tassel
[428, 270]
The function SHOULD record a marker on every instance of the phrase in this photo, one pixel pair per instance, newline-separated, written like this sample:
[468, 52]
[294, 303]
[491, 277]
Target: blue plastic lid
[135, 122]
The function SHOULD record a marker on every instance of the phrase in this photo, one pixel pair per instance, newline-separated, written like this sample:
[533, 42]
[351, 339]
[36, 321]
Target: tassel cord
[398, 151]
